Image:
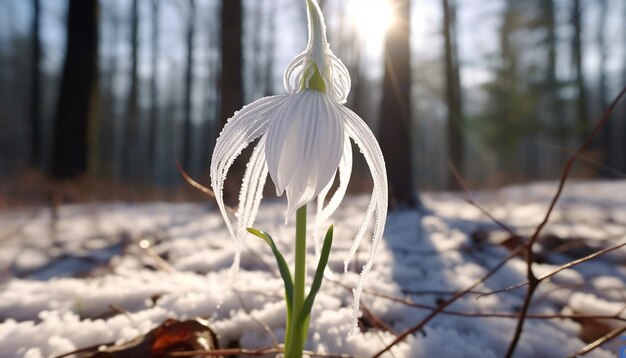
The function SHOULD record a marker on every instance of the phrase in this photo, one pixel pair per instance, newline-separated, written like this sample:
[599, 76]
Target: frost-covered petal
[304, 146]
[251, 191]
[364, 138]
[242, 128]
[345, 171]
[324, 212]
[250, 196]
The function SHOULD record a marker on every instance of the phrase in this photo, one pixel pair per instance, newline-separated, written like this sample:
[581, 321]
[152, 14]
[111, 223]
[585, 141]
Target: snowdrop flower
[304, 143]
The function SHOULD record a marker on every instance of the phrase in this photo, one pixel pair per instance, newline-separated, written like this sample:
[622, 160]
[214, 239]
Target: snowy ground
[60, 277]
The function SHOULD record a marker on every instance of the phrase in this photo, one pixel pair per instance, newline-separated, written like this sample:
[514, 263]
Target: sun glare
[371, 18]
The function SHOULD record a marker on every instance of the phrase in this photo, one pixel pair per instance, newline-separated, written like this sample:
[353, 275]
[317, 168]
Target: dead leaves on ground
[171, 336]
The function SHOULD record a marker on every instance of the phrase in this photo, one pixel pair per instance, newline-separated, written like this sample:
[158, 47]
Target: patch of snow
[425, 257]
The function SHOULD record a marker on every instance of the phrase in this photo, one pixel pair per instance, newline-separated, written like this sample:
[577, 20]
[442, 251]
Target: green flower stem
[297, 335]
[298, 312]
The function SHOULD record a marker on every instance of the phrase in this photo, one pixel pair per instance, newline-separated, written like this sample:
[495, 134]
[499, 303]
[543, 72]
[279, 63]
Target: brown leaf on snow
[171, 336]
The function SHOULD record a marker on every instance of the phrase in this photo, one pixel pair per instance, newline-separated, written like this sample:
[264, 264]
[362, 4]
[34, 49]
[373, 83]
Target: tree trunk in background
[395, 112]
[257, 63]
[550, 116]
[231, 83]
[210, 105]
[35, 90]
[623, 110]
[188, 127]
[358, 90]
[76, 109]
[582, 114]
[111, 143]
[131, 148]
[231, 80]
[453, 92]
[270, 48]
[606, 144]
[154, 94]
[505, 96]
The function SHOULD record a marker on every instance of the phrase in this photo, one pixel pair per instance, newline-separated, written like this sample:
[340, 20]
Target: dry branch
[533, 281]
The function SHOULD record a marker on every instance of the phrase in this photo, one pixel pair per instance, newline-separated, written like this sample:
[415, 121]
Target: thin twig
[583, 158]
[518, 250]
[533, 281]
[410, 303]
[210, 193]
[598, 342]
[435, 292]
[467, 195]
[146, 247]
[377, 322]
[451, 300]
[559, 269]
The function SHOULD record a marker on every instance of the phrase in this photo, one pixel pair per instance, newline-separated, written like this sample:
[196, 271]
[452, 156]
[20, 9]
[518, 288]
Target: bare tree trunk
[582, 113]
[76, 110]
[395, 112]
[231, 81]
[270, 48]
[507, 92]
[623, 169]
[453, 92]
[131, 148]
[35, 96]
[188, 127]
[552, 87]
[257, 63]
[109, 132]
[210, 100]
[357, 100]
[154, 95]
[606, 144]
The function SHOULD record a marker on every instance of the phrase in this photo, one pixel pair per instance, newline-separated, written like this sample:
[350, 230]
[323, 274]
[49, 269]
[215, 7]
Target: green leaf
[282, 267]
[304, 314]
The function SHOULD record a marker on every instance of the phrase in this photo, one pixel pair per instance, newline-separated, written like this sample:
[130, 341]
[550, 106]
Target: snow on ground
[61, 277]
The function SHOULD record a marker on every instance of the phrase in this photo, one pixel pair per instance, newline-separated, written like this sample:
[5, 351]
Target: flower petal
[293, 77]
[249, 200]
[304, 146]
[345, 171]
[251, 191]
[363, 137]
[337, 78]
[242, 128]
[324, 212]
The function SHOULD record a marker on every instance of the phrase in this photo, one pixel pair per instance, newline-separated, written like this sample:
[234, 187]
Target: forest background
[108, 95]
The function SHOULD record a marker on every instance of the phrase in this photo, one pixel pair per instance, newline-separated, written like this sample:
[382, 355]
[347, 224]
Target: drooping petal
[244, 127]
[251, 191]
[324, 212]
[250, 196]
[345, 171]
[363, 137]
[304, 146]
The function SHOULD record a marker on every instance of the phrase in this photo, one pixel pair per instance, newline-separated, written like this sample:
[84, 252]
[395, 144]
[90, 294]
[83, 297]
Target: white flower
[304, 140]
